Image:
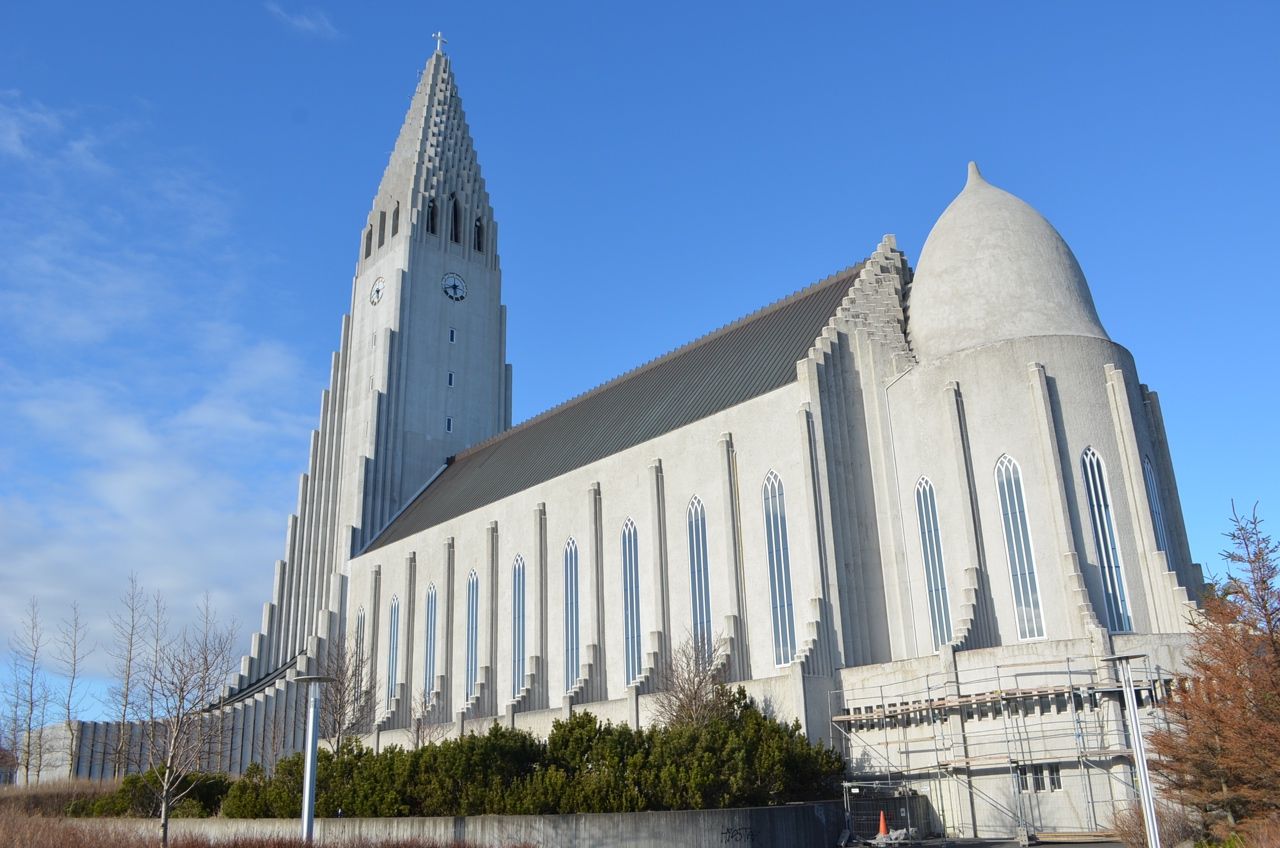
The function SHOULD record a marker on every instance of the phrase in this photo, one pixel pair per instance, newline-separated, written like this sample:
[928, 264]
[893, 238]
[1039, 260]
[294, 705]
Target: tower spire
[440, 41]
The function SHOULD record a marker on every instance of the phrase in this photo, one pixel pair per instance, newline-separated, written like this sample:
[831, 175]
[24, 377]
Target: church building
[913, 508]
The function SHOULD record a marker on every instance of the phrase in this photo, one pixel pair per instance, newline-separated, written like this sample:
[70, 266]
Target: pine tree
[1220, 752]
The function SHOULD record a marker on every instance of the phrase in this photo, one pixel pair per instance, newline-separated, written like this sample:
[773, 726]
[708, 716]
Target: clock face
[375, 293]
[454, 287]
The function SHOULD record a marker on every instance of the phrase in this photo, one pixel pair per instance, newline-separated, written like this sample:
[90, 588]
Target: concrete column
[740, 661]
[661, 636]
[599, 684]
[541, 697]
[1151, 561]
[447, 602]
[983, 631]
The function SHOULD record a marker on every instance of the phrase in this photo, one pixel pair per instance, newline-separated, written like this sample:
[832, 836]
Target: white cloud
[308, 21]
[143, 426]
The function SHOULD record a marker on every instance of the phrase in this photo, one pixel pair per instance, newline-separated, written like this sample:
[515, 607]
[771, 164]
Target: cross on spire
[440, 41]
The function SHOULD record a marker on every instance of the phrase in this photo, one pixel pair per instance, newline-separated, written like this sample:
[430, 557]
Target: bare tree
[72, 650]
[347, 704]
[693, 689]
[423, 730]
[125, 652]
[186, 678]
[29, 693]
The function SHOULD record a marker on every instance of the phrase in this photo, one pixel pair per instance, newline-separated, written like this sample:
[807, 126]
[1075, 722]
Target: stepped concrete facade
[891, 482]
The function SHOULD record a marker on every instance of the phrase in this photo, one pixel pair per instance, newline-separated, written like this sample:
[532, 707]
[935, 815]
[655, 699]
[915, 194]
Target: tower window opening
[451, 379]
[453, 335]
[699, 581]
[448, 425]
[775, 522]
[1017, 540]
[473, 633]
[572, 664]
[934, 568]
[479, 236]
[393, 648]
[430, 683]
[1106, 541]
[517, 626]
[395, 220]
[382, 228]
[433, 218]
[455, 220]
[1153, 499]
[631, 599]
[368, 242]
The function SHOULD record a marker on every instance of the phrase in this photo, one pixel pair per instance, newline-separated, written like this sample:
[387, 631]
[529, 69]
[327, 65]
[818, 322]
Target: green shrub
[743, 758]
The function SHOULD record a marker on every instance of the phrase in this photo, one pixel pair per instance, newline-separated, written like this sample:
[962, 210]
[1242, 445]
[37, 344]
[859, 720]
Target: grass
[51, 798]
[22, 831]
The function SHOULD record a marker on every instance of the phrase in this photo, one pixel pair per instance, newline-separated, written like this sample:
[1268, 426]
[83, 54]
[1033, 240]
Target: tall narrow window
[517, 626]
[429, 684]
[450, 379]
[395, 220]
[478, 236]
[455, 220]
[359, 652]
[699, 581]
[1017, 543]
[473, 632]
[382, 228]
[368, 242]
[448, 425]
[1157, 506]
[775, 533]
[631, 598]
[393, 647]
[433, 217]
[1104, 537]
[572, 662]
[935, 572]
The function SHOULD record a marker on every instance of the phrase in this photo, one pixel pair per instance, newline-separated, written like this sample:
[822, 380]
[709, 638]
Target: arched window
[517, 626]
[455, 220]
[1017, 543]
[393, 647]
[775, 533]
[433, 217]
[631, 598]
[359, 649]
[473, 632]
[699, 580]
[430, 684]
[478, 236]
[395, 220]
[1104, 537]
[935, 572]
[572, 664]
[382, 228]
[1157, 506]
[368, 242]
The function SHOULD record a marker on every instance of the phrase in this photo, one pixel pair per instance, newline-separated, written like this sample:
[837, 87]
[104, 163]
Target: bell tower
[419, 375]
[426, 354]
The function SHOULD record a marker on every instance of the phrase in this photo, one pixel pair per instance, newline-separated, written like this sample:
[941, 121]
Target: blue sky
[182, 188]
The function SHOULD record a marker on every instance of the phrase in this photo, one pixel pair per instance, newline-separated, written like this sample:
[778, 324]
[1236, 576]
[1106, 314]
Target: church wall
[766, 435]
[1001, 395]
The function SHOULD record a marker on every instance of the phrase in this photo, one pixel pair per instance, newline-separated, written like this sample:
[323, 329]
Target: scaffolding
[1015, 749]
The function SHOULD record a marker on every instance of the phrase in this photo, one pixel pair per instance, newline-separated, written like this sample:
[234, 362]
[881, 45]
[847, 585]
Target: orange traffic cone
[884, 828]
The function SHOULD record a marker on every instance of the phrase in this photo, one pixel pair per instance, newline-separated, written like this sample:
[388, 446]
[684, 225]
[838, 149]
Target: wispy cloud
[306, 21]
[143, 425]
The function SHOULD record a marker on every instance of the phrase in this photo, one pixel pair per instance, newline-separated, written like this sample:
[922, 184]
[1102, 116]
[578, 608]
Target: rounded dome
[993, 269]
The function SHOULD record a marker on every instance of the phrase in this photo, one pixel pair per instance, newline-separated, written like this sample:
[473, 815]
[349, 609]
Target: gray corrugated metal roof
[745, 359]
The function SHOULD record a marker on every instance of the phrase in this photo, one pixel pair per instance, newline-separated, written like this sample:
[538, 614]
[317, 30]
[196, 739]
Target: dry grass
[1175, 826]
[51, 799]
[21, 831]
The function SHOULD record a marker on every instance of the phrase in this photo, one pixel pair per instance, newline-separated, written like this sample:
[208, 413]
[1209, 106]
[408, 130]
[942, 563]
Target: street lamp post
[313, 682]
[1145, 794]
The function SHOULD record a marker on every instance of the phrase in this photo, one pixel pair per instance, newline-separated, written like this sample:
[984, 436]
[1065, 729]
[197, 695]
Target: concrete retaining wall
[806, 825]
